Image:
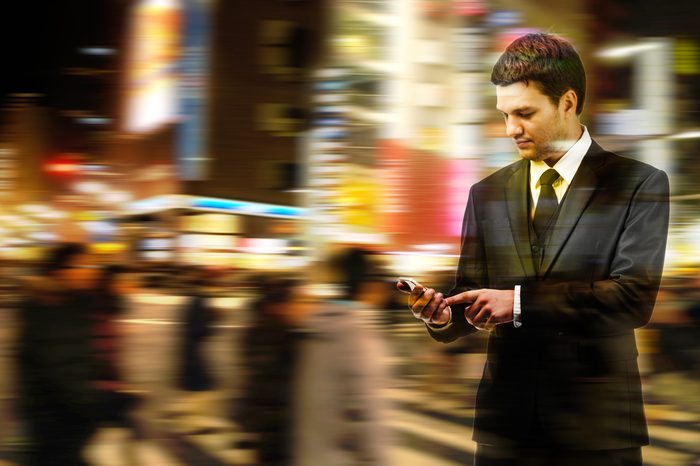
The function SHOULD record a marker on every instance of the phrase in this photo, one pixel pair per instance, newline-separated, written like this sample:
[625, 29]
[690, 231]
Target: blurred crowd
[307, 349]
[314, 352]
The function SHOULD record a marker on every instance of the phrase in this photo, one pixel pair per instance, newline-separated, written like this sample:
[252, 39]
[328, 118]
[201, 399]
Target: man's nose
[513, 128]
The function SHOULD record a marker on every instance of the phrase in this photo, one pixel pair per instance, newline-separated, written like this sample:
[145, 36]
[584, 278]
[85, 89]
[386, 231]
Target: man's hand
[487, 307]
[428, 306]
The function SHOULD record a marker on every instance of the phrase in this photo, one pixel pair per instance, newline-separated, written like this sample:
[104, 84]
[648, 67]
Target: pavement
[439, 433]
[431, 414]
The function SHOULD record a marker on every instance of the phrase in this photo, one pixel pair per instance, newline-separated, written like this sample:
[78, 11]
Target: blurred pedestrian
[115, 282]
[342, 369]
[197, 326]
[57, 398]
[269, 355]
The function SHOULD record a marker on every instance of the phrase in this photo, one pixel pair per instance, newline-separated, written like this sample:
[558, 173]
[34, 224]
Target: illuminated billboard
[152, 66]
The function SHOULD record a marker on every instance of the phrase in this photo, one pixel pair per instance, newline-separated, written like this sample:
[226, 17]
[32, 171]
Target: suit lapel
[516, 192]
[579, 193]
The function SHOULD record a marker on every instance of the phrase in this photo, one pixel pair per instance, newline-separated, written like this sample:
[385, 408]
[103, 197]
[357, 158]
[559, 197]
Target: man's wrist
[517, 310]
[436, 326]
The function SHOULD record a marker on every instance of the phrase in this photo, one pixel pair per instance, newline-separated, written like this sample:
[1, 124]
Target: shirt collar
[567, 166]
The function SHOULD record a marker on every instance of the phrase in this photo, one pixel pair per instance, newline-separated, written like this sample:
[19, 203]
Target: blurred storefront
[190, 230]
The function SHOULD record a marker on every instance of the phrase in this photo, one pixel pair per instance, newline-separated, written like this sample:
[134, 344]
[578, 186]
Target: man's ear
[568, 101]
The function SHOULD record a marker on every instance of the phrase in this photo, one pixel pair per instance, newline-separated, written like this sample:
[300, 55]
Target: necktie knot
[549, 177]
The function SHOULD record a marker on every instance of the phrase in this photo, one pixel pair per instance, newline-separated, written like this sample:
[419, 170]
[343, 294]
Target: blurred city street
[430, 428]
[205, 206]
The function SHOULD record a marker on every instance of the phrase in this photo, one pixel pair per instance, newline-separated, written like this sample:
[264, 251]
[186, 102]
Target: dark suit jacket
[569, 376]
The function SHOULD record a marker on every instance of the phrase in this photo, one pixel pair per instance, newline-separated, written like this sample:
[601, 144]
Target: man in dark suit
[561, 259]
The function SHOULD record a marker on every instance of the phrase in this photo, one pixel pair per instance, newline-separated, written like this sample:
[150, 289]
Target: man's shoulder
[631, 165]
[621, 166]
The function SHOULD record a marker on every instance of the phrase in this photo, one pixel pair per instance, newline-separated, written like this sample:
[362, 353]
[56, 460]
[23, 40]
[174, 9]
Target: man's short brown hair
[546, 59]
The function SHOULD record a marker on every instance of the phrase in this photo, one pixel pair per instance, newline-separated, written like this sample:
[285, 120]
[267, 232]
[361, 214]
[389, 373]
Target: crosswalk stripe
[404, 456]
[454, 436]
[114, 447]
[153, 455]
[668, 413]
[655, 456]
[675, 435]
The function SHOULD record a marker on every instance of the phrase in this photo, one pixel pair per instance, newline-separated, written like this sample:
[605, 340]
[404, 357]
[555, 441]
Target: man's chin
[530, 155]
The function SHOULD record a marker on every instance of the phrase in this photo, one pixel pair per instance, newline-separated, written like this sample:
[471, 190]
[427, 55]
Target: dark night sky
[24, 31]
[37, 38]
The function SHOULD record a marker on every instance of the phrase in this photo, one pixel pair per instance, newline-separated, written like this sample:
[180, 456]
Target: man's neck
[572, 136]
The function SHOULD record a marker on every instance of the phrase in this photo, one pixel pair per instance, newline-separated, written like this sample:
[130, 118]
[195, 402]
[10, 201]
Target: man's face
[532, 120]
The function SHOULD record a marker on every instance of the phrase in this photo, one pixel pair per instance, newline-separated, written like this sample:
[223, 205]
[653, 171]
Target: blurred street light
[625, 51]
[115, 197]
[52, 215]
[90, 187]
[99, 51]
[433, 247]
[62, 165]
[35, 209]
[695, 134]
[42, 236]
[94, 120]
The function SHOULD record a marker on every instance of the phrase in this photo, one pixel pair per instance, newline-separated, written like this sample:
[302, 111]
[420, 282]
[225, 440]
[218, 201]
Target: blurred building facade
[368, 119]
[24, 143]
[214, 96]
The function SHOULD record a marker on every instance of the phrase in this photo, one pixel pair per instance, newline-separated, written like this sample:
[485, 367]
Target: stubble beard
[540, 152]
[534, 154]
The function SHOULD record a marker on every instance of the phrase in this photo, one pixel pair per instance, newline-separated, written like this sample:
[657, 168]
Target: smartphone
[407, 284]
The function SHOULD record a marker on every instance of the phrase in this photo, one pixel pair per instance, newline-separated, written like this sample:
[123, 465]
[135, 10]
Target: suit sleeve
[625, 299]
[471, 275]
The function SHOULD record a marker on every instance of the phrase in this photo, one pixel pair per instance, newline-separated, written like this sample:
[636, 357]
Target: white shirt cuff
[517, 312]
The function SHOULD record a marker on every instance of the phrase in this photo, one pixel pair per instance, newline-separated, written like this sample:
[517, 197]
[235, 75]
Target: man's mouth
[522, 143]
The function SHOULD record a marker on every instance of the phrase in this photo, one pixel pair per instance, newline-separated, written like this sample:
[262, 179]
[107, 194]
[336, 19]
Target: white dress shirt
[567, 166]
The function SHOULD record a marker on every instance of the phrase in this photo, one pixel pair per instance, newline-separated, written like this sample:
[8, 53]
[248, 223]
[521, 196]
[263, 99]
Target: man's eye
[526, 115]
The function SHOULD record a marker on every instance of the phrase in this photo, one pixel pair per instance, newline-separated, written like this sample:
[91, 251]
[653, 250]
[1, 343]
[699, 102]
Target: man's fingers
[471, 311]
[425, 297]
[431, 308]
[442, 315]
[416, 294]
[483, 315]
[427, 304]
[463, 297]
[419, 299]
